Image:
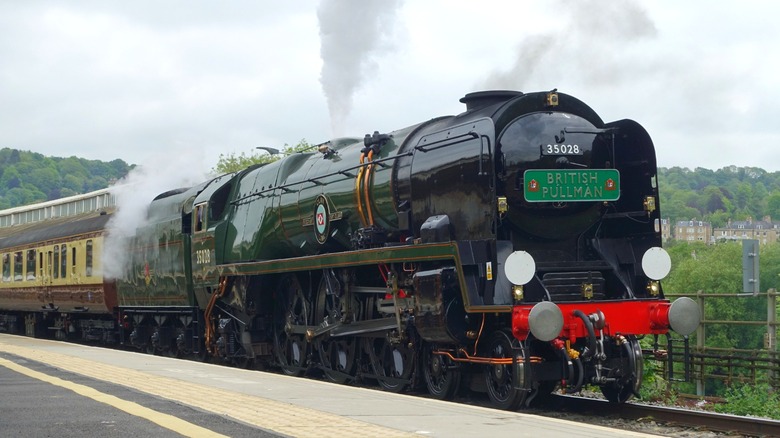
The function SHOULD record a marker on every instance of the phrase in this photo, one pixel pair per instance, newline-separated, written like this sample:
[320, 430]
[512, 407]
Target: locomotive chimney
[482, 99]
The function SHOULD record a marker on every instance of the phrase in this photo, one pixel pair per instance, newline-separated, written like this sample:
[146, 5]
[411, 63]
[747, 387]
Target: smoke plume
[164, 172]
[594, 40]
[350, 32]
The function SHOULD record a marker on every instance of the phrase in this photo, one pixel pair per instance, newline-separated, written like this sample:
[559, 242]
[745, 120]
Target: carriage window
[64, 261]
[6, 268]
[40, 264]
[18, 264]
[31, 264]
[56, 261]
[73, 262]
[89, 258]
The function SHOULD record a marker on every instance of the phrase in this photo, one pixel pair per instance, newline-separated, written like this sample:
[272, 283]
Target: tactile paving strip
[283, 418]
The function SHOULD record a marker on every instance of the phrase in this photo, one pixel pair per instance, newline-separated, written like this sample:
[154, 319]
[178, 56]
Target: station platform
[174, 397]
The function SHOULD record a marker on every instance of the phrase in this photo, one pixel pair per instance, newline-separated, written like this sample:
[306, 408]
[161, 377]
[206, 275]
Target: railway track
[702, 421]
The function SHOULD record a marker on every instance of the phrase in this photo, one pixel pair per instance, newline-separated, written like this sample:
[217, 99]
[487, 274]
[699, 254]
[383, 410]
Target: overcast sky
[154, 80]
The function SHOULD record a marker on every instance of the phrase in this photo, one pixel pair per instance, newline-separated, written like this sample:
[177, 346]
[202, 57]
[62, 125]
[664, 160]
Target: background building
[765, 231]
[693, 231]
[666, 230]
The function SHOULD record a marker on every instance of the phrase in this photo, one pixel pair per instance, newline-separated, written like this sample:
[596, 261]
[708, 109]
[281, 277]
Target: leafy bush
[757, 401]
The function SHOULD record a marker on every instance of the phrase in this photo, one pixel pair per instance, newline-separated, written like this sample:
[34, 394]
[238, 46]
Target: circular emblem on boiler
[321, 219]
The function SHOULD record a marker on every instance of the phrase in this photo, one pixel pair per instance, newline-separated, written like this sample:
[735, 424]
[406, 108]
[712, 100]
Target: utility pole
[750, 273]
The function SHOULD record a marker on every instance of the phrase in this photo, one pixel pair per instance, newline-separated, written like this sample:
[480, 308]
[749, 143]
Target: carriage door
[41, 268]
[49, 268]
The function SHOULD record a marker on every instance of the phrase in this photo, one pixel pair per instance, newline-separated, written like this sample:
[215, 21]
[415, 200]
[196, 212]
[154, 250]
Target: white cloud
[112, 79]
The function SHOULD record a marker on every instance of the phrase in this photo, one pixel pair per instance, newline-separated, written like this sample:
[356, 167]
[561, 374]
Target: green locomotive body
[514, 247]
[390, 257]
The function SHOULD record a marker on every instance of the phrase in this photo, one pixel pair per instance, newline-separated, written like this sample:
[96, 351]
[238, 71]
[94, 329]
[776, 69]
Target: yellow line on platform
[267, 414]
[164, 420]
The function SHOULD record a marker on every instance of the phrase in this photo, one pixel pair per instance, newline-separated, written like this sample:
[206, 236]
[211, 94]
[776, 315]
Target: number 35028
[561, 149]
[202, 256]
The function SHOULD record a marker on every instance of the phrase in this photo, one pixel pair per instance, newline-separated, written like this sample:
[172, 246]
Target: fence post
[700, 333]
[771, 330]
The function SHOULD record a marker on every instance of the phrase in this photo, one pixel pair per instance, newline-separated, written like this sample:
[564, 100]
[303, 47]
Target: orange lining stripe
[358, 197]
[366, 185]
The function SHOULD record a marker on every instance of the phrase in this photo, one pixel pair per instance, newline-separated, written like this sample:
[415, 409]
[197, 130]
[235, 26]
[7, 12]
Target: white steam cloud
[163, 172]
[612, 53]
[350, 32]
[596, 41]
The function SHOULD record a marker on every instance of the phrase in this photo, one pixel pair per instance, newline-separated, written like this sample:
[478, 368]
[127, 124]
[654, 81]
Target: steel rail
[751, 426]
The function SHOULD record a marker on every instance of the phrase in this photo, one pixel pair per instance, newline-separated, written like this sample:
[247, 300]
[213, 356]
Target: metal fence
[711, 367]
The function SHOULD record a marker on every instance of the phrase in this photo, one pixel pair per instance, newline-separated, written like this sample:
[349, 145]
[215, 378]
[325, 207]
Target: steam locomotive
[514, 248]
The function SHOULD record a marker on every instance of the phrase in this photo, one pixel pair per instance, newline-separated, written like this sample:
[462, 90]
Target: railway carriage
[52, 278]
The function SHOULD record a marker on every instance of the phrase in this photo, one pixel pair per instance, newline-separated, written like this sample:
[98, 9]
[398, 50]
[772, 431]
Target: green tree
[65, 192]
[99, 168]
[744, 191]
[233, 163]
[677, 210]
[713, 199]
[73, 167]
[14, 157]
[22, 196]
[73, 184]
[773, 205]
[758, 201]
[120, 168]
[42, 178]
[10, 179]
[96, 183]
[229, 163]
[718, 219]
[46, 180]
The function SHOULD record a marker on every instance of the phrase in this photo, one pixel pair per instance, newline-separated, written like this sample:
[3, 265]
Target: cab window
[200, 217]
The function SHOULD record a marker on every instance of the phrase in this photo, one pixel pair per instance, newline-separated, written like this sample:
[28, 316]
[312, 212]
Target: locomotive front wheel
[442, 375]
[627, 369]
[292, 308]
[337, 355]
[504, 388]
